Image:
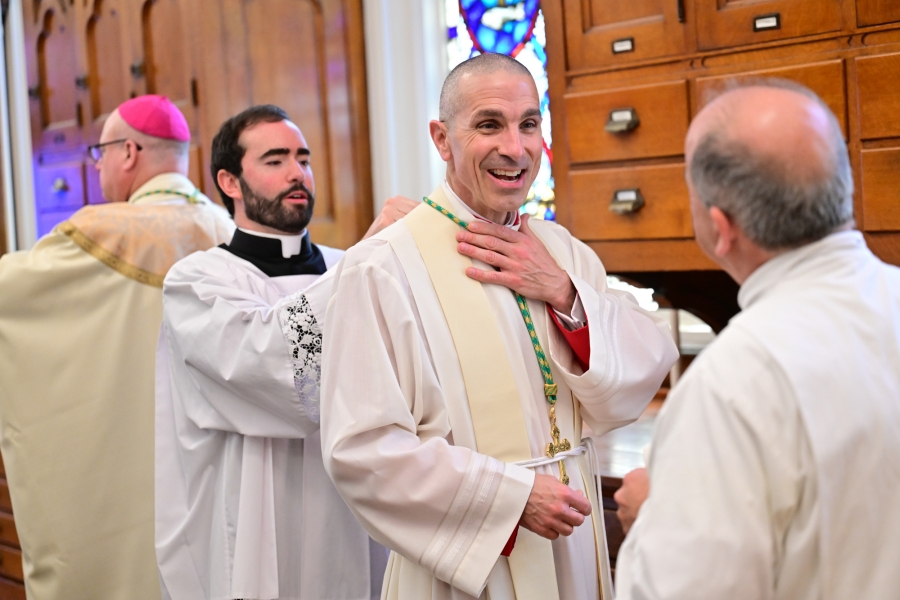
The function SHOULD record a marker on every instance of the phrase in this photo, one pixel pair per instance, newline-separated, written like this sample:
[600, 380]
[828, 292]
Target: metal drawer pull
[60, 185]
[767, 22]
[626, 202]
[622, 120]
[623, 45]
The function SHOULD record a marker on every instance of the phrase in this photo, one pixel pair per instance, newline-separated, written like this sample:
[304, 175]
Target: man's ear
[131, 155]
[726, 231]
[229, 184]
[440, 135]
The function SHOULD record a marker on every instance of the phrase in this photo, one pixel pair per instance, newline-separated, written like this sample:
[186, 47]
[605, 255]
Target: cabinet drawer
[727, 23]
[8, 534]
[881, 189]
[5, 500]
[59, 187]
[11, 590]
[11, 564]
[662, 111]
[600, 32]
[826, 79]
[666, 212]
[48, 220]
[877, 12]
[879, 96]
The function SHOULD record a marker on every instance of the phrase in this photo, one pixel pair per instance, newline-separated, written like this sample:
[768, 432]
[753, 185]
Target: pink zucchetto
[156, 116]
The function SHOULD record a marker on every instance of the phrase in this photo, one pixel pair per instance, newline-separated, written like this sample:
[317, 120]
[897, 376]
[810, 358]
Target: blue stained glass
[514, 28]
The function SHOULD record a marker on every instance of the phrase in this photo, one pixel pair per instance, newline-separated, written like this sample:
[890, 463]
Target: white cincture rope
[587, 445]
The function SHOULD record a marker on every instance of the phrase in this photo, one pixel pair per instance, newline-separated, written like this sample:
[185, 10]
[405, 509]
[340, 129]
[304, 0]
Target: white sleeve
[724, 479]
[231, 345]
[384, 438]
[632, 349]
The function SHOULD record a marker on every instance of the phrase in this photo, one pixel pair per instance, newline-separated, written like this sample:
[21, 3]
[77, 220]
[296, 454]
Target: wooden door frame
[16, 160]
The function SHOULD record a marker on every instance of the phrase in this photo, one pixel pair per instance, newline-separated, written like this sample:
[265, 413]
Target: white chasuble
[775, 468]
[397, 429]
[244, 506]
[79, 321]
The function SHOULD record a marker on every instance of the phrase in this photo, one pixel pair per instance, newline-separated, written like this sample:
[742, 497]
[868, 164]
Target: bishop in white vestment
[79, 321]
[432, 390]
[775, 467]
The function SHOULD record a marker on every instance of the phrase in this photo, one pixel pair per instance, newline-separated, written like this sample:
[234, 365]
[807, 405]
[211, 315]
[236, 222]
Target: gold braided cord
[191, 198]
[108, 258]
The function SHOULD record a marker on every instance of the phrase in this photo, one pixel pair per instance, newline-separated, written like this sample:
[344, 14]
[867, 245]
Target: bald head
[452, 96]
[771, 155]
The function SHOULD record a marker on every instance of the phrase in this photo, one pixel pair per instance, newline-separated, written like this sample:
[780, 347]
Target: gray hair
[775, 209]
[482, 64]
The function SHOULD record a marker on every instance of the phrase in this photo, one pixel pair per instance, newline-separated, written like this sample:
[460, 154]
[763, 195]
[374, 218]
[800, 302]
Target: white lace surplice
[304, 336]
[244, 508]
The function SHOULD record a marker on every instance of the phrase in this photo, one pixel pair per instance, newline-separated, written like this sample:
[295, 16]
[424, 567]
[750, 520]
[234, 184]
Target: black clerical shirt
[265, 254]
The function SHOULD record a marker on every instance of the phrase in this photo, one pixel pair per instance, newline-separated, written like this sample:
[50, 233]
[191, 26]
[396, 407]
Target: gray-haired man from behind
[774, 471]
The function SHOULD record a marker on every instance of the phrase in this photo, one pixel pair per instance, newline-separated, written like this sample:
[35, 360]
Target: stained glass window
[515, 28]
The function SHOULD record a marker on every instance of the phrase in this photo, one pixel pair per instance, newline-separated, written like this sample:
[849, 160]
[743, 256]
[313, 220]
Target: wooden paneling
[53, 66]
[167, 62]
[725, 23]
[212, 58]
[879, 91]
[662, 110]
[665, 215]
[108, 76]
[597, 30]
[877, 12]
[276, 76]
[881, 189]
[824, 78]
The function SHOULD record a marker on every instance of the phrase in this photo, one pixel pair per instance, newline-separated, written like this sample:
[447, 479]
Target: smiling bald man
[463, 347]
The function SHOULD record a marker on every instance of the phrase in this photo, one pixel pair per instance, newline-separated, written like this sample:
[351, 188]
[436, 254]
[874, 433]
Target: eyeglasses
[95, 152]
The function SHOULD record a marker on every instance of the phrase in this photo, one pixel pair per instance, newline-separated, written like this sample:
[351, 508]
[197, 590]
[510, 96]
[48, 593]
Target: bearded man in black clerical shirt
[244, 508]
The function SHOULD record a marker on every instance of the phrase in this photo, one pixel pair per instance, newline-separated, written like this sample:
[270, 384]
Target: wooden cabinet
[881, 189]
[847, 51]
[602, 32]
[879, 90]
[877, 12]
[212, 58]
[726, 23]
[826, 79]
[638, 122]
[11, 570]
[662, 190]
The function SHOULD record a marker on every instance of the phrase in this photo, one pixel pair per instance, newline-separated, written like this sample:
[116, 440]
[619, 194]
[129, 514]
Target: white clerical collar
[290, 244]
[804, 259]
[512, 218]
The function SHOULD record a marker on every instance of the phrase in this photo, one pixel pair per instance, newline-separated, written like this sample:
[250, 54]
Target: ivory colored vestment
[397, 435]
[79, 320]
[775, 468]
